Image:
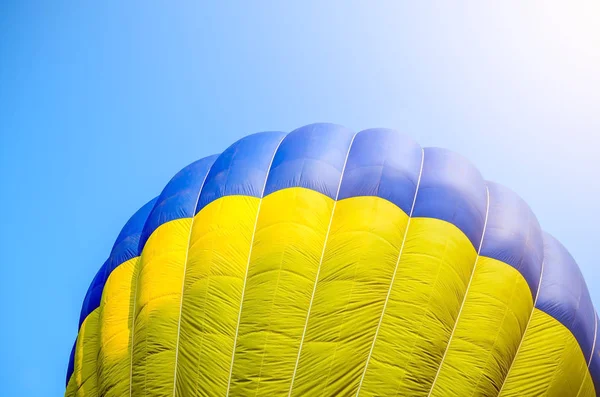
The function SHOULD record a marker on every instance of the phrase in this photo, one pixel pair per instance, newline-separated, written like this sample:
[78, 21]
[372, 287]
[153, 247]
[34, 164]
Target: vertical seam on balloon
[490, 355]
[138, 264]
[99, 327]
[185, 262]
[595, 336]
[134, 303]
[387, 298]
[524, 332]
[464, 300]
[562, 359]
[312, 297]
[591, 353]
[237, 327]
[493, 345]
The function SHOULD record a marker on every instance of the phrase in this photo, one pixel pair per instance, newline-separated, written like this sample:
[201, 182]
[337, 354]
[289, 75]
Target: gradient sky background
[100, 104]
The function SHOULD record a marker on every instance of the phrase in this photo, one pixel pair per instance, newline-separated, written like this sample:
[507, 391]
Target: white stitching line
[319, 267]
[185, 262]
[387, 298]
[595, 336]
[437, 374]
[137, 265]
[537, 294]
[237, 327]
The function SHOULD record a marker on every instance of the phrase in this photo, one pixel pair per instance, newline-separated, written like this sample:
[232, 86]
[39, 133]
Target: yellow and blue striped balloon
[325, 262]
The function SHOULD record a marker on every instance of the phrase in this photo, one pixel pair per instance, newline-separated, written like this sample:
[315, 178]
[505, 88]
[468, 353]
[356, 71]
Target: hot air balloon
[324, 262]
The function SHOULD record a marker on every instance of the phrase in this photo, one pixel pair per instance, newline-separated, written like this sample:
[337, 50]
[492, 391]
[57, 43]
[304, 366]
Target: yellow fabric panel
[116, 316]
[217, 262]
[358, 265]
[587, 387]
[157, 308]
[285, 256]
[549, 362]
[71, 387]
[430, 284]
[488, 333]
[86, 352]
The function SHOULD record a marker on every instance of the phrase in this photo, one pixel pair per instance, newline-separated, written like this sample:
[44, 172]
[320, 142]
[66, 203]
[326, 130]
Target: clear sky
[102, 102]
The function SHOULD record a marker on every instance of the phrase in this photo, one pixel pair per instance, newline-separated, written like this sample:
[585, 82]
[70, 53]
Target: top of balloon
[404, 258]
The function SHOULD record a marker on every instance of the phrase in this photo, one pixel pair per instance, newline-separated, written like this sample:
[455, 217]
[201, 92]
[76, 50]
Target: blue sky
[100, 104]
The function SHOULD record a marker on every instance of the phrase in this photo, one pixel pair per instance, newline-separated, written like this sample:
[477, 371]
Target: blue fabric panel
[241, 169]
[94, 294]
[179, 198]
[127, 245]
[584, 324]
[71, 366]
[452, 190]
[135, 224]
[311, 157]
[513, 235]
[595, 363]
[564, 295]
[383, 163]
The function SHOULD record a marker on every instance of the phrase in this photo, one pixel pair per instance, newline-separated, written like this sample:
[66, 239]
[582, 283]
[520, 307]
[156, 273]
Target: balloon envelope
[327, 262]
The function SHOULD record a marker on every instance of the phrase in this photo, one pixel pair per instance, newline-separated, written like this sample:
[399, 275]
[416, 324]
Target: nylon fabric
[513, 235]
[499, 302]
[383, 163]
[565, 296]
[86, 353]
[486, 339]
[115, 319]
[300, 162]
[562, 311]
[558, 372]
[241, 169]
[157, 308]
[358, 265]
[594, 366]
[587, 388]
[71, 387]
[431, 280]
[320, 266]
[159, 286]
[71, 364]
[433, 276]
[462, 305]
[179, 197]
[217, 259]
[93, 294]
[266, 270]
[289, 239]
[452, 190]
[126, 246]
